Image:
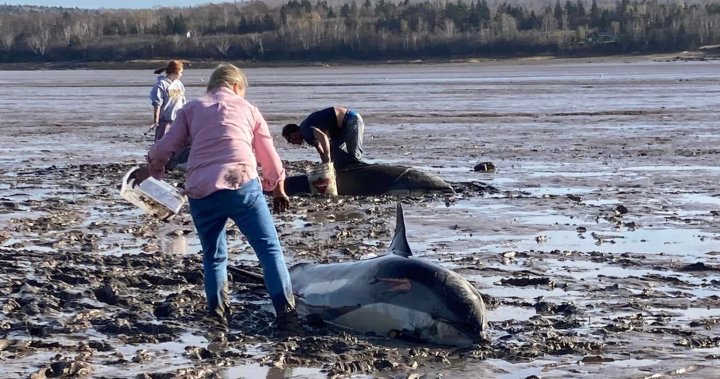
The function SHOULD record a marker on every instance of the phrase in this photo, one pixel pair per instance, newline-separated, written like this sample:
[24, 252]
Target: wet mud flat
[594, 242]
[75, 303]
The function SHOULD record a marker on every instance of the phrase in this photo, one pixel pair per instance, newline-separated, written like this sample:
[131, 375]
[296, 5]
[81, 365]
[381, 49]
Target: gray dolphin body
[393, 295]
[365, 179]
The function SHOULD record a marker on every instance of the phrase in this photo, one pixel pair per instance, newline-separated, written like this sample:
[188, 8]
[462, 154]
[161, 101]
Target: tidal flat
[595, 242]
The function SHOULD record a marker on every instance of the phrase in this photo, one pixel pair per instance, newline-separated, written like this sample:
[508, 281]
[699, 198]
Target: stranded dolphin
[393, 295]
[365, 179]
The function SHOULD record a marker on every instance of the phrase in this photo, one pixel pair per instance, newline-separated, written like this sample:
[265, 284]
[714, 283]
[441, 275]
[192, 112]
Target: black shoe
[219, 318]
[288, 322]
[216, 323]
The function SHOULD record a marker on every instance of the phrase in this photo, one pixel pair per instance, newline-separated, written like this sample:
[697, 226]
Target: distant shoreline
[209, 64]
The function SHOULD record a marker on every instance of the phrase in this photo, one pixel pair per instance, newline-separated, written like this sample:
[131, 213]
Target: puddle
[297, 223]
[671, 168]
[174, 245]
[698, 292]
[681, 242]
[541, 368]
[687, 243]
[528, 293]
[549, 219]
[26, 365]
[701, 199]
[506, 312]
[694, 313]
[557, 191]
[601, 202]
[255, 371]
[570, 174]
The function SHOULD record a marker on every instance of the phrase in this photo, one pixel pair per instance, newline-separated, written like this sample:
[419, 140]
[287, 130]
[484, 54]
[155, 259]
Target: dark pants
[161, 129]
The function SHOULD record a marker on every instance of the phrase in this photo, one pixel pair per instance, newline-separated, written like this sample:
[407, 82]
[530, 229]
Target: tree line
[380, 29]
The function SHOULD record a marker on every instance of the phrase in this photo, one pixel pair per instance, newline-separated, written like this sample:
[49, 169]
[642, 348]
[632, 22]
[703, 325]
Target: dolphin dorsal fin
[399, 245]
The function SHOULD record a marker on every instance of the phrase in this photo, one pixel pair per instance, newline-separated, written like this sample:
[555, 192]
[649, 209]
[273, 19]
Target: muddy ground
[595, 242]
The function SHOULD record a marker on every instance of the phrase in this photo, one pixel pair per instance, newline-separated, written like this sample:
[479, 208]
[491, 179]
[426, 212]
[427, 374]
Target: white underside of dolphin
[393, 295]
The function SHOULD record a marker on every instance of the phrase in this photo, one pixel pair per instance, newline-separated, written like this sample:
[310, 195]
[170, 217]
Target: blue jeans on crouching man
[248, 208]
[348, 149]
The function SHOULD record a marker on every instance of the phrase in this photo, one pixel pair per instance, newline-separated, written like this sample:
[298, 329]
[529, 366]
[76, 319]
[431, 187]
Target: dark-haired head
[289, 129]
[292, 134]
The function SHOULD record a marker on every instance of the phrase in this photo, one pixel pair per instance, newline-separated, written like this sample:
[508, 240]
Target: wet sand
[595, 241]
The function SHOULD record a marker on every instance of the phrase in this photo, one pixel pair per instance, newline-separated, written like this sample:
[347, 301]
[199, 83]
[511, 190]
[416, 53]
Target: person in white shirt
[167, 97]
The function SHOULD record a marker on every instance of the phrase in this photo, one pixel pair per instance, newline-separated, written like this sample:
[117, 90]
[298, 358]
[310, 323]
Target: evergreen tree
[594, 14]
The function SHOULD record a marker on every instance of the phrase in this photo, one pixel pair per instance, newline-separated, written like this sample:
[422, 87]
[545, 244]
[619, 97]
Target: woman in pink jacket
[228, 137]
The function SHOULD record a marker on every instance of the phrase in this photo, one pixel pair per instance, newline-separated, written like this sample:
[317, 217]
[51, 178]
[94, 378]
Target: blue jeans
[352, 141]
[248, 208]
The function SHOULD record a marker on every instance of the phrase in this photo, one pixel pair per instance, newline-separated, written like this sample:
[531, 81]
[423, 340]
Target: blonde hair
[225, 75]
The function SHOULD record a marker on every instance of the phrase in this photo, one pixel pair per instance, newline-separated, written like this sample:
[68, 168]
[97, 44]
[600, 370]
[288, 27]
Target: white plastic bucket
[322, 180]
[153, 196]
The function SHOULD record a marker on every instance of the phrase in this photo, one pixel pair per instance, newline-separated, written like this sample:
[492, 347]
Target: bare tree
[38, 42]
[225, 18]
[449, 28]
[339, 31]
[505, 26]
[222, 44]
[549, 23]
[405, 31]
[257, 40]
[421, 27]
[67, 32]
[8, 32]
[81, 32]
[144, 20]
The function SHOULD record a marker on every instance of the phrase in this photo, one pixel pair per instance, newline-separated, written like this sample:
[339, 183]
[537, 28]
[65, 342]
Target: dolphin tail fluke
[399, 245]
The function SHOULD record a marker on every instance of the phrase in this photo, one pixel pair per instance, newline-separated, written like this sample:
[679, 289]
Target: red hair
[173, 67]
